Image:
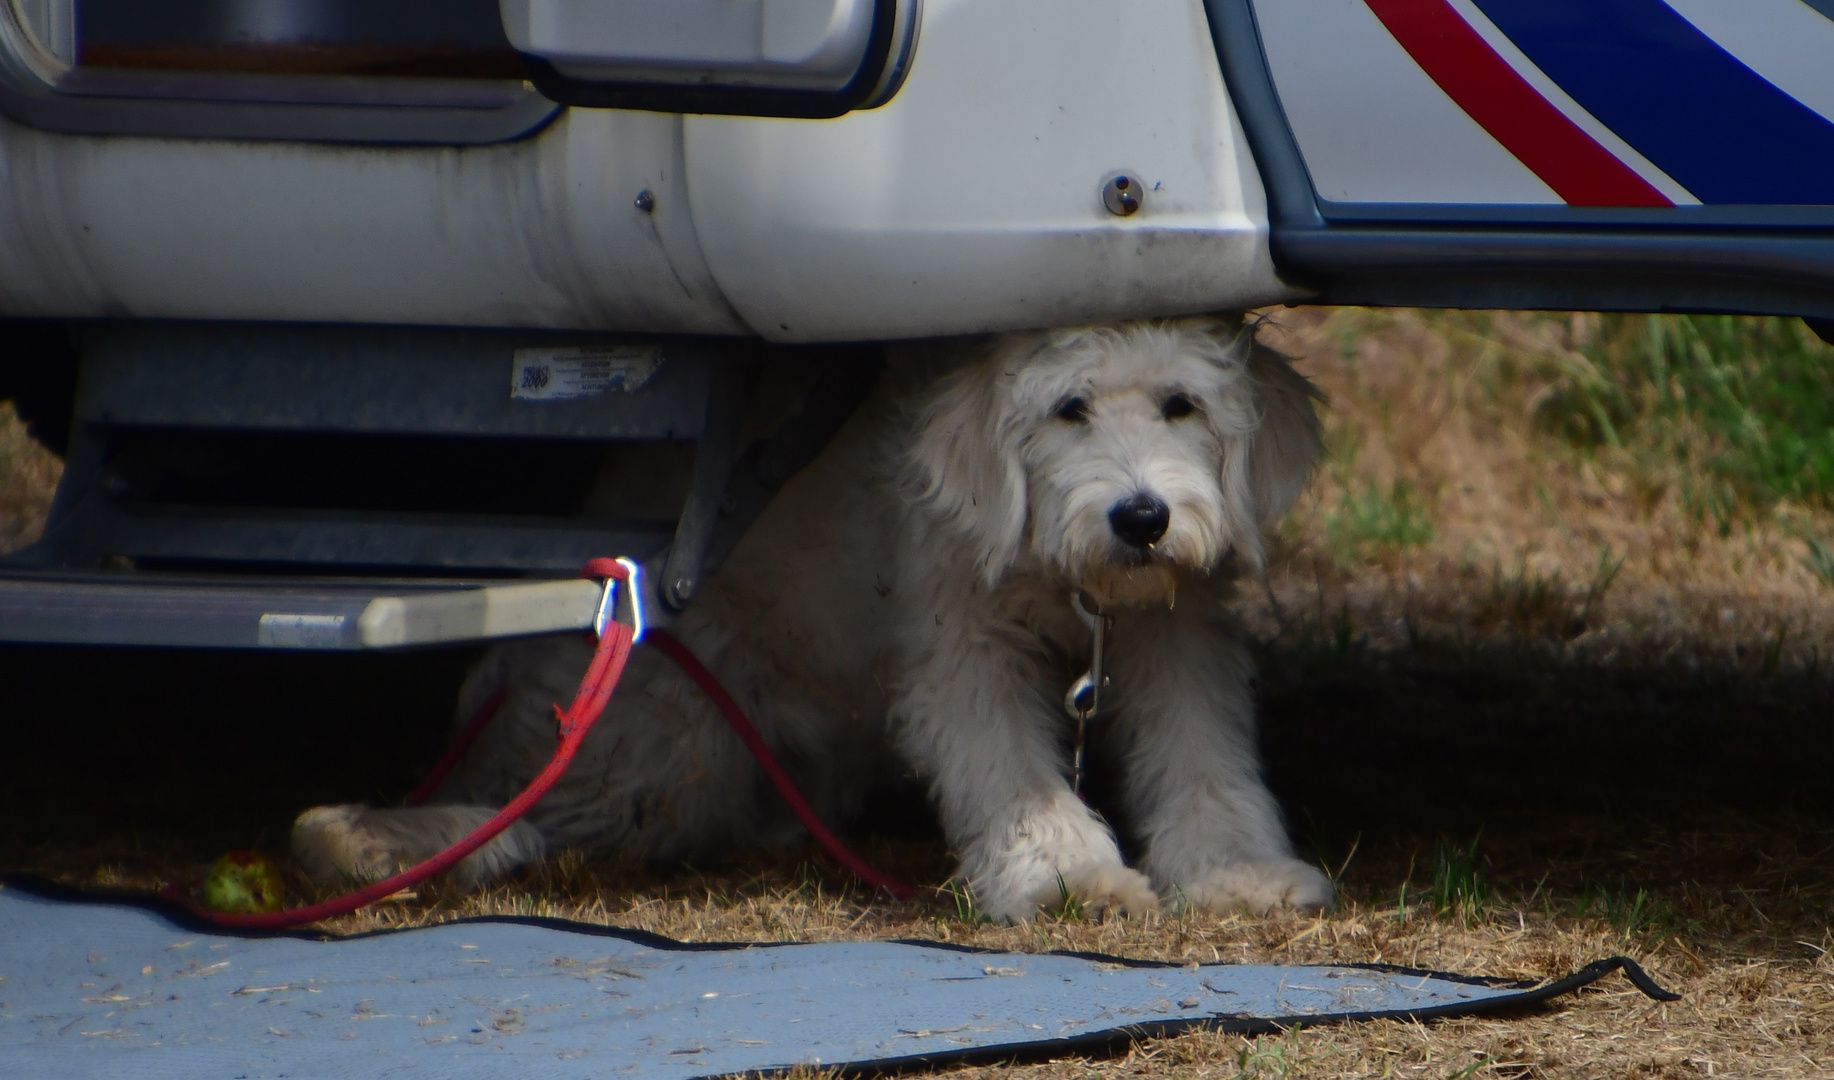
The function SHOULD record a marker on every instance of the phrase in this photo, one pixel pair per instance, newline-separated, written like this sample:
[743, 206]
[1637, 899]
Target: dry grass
[28, 475]
[1528, 702]
[1446, 503]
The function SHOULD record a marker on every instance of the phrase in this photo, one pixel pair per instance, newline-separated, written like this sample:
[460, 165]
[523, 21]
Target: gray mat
[109, 988]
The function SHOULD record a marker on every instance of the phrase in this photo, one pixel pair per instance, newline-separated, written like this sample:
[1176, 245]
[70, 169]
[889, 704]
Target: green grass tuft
[1745, 405]
[1458, 888]
[966, 912]
[1819, 560]
[1374, 521]
[1069, 908]
[1629, 913]
[1525, 601]
[1273, 1057]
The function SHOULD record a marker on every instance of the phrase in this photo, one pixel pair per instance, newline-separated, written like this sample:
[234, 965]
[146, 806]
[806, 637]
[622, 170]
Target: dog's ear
[1286, 442]
[962, 466]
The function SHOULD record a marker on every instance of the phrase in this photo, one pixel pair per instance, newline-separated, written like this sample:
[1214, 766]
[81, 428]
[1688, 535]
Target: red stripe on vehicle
[1503, 103]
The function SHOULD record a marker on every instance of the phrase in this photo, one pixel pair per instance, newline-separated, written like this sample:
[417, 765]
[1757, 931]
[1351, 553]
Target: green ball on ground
[244, 882]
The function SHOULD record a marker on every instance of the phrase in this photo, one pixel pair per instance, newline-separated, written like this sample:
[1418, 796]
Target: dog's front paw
[1104, 891]
[1095, 891]
[1260, 888]
[333, 844]
[1054, 855]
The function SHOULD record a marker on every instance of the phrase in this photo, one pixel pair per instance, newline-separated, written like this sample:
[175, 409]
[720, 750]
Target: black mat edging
[1113, 1041]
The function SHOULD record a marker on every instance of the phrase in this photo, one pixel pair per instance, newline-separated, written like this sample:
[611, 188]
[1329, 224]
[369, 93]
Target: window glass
[421, 38]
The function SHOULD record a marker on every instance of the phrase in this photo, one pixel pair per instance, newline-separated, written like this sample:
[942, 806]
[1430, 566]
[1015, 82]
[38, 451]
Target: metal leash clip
[1085, 693]
[624, 604]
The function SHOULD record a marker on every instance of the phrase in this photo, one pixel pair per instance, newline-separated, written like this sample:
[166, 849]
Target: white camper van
[347, 312]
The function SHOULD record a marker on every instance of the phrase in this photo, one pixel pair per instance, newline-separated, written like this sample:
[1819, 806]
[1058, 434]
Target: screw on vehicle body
[645, 201]
[1123, 195]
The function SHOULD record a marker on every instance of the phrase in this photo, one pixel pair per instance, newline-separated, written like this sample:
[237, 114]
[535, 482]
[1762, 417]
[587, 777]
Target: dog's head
[1117, 456]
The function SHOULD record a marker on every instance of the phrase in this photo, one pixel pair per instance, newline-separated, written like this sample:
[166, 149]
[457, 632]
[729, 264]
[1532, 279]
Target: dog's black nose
[1140, 520]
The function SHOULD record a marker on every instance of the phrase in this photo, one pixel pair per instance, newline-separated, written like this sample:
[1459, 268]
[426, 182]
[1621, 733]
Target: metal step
[141, 608]
[206, 455]
[446, 543]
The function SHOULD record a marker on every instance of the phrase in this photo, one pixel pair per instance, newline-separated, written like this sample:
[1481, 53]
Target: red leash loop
[710, 685]
[608, 659]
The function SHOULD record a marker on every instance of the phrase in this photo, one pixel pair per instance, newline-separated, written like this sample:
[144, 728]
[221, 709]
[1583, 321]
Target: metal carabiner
[625, 604]
[1085, 693]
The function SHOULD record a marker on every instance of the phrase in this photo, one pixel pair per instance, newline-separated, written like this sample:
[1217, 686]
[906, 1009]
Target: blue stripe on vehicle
[1826, 7]
[1686, 104]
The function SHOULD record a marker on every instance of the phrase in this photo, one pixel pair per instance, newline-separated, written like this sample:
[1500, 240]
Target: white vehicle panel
[972, 201]
[1638, 105]
[1374, 127]
[541, 232]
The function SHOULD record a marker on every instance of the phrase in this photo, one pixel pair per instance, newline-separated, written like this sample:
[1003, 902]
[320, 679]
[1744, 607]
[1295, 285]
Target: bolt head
[1123, 194]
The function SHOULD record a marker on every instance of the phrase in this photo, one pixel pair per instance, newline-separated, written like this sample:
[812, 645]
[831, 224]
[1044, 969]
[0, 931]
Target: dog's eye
[1177, 407]
[1073, 409]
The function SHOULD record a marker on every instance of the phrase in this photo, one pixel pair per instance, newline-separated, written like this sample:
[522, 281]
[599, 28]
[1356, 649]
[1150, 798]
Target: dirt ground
[1527, 706]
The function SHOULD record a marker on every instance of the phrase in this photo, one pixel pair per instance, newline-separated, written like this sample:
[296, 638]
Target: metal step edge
[284, 613]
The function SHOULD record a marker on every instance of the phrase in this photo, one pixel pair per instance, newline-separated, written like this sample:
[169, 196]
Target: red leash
[455, 752]
[710, 685]
[602, 675]
[615, 641]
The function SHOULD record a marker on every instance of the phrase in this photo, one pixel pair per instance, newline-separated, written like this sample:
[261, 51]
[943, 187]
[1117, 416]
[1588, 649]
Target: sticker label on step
[568, 373]
[287, 631]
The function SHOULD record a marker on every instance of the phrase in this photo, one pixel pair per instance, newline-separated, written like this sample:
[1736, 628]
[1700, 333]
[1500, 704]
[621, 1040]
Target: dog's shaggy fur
[904, 603]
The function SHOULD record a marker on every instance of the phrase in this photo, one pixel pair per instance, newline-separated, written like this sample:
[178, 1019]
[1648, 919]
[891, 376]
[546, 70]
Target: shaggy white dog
[905, 603]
